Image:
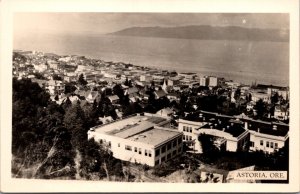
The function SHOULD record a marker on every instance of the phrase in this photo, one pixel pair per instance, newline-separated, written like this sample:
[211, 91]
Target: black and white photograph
[152, 97]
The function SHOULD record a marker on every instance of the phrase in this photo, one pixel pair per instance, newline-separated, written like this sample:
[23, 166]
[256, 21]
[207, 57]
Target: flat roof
[155, 136]
[124, 124]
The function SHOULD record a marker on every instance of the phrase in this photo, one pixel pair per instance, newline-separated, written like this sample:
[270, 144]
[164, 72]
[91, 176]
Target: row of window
[187, 129]
[269, 144]
[169, 156]
[187, 137]
[139, 150]
[169, 146]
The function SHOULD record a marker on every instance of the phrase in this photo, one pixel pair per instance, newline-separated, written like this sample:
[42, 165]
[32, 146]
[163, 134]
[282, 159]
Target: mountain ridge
[207, 32]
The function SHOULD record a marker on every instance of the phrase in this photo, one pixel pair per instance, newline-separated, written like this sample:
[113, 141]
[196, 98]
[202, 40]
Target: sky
[102, 23]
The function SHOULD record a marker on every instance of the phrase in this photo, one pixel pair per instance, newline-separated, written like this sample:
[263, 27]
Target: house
[213, 81]
[160, 94]
[114, 99]
[92, 96]
[139, 139]
[267, 137]
[173, 96]
[131, 91]
[281, 112]
[165, 112]
[55, 87]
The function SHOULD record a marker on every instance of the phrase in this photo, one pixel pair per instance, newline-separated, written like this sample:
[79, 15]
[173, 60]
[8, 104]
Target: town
[207, 126]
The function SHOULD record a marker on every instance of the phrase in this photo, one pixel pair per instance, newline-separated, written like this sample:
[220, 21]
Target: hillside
[205, 32]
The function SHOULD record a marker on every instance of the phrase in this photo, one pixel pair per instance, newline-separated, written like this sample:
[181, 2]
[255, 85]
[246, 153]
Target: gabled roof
[132, 90]
[114, 97]
[160, 93]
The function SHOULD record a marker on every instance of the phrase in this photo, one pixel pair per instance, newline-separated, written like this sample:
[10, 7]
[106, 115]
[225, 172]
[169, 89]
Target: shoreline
[227, 75]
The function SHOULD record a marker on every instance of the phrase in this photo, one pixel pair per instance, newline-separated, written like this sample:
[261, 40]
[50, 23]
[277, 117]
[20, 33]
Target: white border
[8, 7]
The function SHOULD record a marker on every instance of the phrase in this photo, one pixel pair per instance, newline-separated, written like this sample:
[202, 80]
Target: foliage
[81, 80]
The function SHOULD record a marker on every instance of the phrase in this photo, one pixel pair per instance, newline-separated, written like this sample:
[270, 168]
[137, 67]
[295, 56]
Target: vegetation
[50, 140]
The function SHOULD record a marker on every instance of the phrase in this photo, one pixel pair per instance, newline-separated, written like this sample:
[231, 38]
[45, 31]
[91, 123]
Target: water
[243, 61]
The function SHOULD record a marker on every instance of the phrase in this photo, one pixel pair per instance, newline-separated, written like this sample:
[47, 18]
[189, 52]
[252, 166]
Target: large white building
[228, 134]
[139, 139]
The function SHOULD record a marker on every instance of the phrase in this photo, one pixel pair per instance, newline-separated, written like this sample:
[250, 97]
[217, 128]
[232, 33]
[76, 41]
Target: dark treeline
[50, 140]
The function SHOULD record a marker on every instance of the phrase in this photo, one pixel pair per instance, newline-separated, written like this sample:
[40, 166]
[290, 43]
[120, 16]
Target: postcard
[150, 96]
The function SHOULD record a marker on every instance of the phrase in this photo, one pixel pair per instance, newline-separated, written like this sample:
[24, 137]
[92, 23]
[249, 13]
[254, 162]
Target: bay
[242, 61]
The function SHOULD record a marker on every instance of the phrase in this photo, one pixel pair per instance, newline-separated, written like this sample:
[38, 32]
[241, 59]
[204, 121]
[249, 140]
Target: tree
[260, 108]
[74, 121]
[70, 87]
[207, 144]
[81, 80]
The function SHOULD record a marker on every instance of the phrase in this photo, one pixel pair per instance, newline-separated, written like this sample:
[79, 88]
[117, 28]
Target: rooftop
[155, 136]
[139, 128]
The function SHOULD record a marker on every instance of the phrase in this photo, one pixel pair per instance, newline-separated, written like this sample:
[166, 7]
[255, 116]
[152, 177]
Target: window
[169, 146]
[251, 144]
[174, 152]
[156, 162]
[163, 149]
[119, 144]
[183, 128]
[140, 150]
[163, 159]
[183, 137]
[179, 150]
[272, 145]
[127, 147]
[135, 149]
[261, 142]
[150, 154]
[109, 144]
[276, 145]
[268, 144]
[157, 152]
[168, 156]
[174, 143]
[191, 129]
[179, 141]
[146, 152]
[190, 138]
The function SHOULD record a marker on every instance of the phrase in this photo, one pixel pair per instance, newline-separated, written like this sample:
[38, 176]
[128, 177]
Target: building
[146, 78]
[230, 135]
[204, 81]
[267, 137]
[189, 76]
[173, 81]
[213, 81]
[139, 139]
[114, 99]
[281, 113]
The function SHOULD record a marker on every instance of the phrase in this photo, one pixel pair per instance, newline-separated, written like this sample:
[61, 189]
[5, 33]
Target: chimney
[275, 127]
[258, 130]
[203, 118]
[227, 126]
[211, 126]
[200, 115]
[246, 125]
[223, 129]
[231, 124]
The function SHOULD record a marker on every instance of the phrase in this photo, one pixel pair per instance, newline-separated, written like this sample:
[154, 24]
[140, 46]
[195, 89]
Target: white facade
[192, 130]
[204, 81]
[213, 81]
[265, 142]
[137, 139]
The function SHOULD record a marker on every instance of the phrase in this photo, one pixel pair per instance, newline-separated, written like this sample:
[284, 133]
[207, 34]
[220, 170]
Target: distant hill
[205, 32]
